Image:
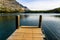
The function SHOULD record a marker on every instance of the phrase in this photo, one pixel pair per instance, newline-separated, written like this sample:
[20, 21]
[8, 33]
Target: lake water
[7, 26]
[30, 21]
[50, 25]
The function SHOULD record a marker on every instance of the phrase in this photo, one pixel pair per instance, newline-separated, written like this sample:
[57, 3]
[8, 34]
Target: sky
[40, 4]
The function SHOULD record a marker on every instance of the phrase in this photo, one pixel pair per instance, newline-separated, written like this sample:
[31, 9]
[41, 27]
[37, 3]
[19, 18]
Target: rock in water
[10, 6]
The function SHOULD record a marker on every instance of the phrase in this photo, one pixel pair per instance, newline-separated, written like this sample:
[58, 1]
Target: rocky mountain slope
[10, 6]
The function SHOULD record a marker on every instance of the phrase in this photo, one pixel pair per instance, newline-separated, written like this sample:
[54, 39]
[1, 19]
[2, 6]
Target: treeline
[57, 16]
[57, 10]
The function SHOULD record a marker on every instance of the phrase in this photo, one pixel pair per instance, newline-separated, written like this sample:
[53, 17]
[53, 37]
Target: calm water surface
[7, 26]
[30, 21]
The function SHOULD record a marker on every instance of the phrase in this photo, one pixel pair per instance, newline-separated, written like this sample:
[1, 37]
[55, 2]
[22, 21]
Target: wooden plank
[27, 34]
[29, 26]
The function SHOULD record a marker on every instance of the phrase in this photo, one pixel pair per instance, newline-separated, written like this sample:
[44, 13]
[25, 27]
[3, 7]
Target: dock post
[40, 21]
[17, 21]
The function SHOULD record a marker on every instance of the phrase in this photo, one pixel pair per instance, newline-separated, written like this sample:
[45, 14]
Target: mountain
[25, 8]
[8, 6]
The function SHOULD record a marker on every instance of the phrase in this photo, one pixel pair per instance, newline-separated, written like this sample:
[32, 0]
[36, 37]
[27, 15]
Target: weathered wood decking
[25, 33]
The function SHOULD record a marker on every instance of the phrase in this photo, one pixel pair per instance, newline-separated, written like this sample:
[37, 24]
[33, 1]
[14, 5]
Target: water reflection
[30, 21]
[51, 27]
[7, 26]
[50, 18]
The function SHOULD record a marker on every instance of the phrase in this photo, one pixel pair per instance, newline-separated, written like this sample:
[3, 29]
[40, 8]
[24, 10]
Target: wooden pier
[27, 33]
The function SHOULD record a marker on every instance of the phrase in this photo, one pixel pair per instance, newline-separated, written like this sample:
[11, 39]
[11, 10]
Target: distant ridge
[56, 10]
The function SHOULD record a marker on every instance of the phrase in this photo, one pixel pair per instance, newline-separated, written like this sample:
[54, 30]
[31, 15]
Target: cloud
[42, 5]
